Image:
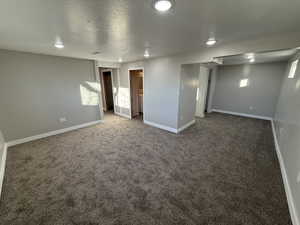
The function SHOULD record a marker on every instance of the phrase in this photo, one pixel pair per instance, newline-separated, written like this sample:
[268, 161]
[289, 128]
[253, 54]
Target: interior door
[108, 90]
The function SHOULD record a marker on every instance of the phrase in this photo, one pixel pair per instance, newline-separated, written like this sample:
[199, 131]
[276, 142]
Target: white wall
[37, 90]
[287, 126]
[258, 98]
[188, 90]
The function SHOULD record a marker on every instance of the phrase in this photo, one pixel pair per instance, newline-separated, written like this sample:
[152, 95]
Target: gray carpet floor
[221, 171]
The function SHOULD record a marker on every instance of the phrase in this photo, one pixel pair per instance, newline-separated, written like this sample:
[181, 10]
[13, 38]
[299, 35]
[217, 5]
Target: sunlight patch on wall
[94, 85]
[298, 84]
[123, 98]
[293, 69]
[89, 92]
[244, 83]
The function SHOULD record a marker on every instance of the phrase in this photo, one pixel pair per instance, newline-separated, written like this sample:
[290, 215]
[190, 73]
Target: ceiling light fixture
[59, 44]
[211, 41]
[120, 60]
[162, 5]
[252, 60]
[146, 54]
[250, 55]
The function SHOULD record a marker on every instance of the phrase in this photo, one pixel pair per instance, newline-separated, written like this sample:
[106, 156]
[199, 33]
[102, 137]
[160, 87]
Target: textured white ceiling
[124, 28]
[260, 57]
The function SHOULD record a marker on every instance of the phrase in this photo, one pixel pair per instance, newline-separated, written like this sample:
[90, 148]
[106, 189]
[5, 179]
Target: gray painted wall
[258, 98]
[1, 148]
[115, 84]
[188, 91]
[287, 126]
[37, 90]
[161, 89]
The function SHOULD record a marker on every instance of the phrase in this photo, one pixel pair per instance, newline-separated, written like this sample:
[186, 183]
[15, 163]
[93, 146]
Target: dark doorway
[107, 82]
[137, 93]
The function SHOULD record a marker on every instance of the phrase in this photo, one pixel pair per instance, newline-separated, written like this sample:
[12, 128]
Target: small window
[244, 83]
[293, 69]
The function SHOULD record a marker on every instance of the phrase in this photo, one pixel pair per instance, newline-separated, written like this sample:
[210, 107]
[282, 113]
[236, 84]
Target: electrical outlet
[62, 119]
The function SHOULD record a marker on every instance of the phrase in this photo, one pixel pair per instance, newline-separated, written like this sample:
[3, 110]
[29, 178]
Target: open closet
[136, 92]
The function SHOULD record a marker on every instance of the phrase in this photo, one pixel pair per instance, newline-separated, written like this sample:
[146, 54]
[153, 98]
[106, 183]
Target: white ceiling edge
[46, 54]
[207, 54]
[282, 55]
[99, 63]
[107, 64]
[266, 43]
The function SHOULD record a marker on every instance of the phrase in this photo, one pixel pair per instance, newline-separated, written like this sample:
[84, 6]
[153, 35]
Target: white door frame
[130, 69]
[201, 101]
[112, 84]
[97, 74]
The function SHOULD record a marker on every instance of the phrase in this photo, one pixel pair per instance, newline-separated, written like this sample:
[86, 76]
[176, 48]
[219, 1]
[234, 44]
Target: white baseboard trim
[242, 114]
[186, 126]
[123, 115]
[170, 129]
[51, 133]
[2, 166]
[290, 199]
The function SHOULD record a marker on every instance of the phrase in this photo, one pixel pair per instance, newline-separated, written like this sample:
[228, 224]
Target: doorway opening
[136, 79]
[106, 79]
[208, 92]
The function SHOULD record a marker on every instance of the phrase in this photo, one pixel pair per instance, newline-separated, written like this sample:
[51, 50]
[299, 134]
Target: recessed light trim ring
[163, 6]
[211, 42]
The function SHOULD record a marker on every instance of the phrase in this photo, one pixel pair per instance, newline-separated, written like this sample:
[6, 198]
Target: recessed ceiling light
[59, 44]
[211, 41]
[146, 54]
[120, 60]
[252, 60]
[250, 55]
[162, 5]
